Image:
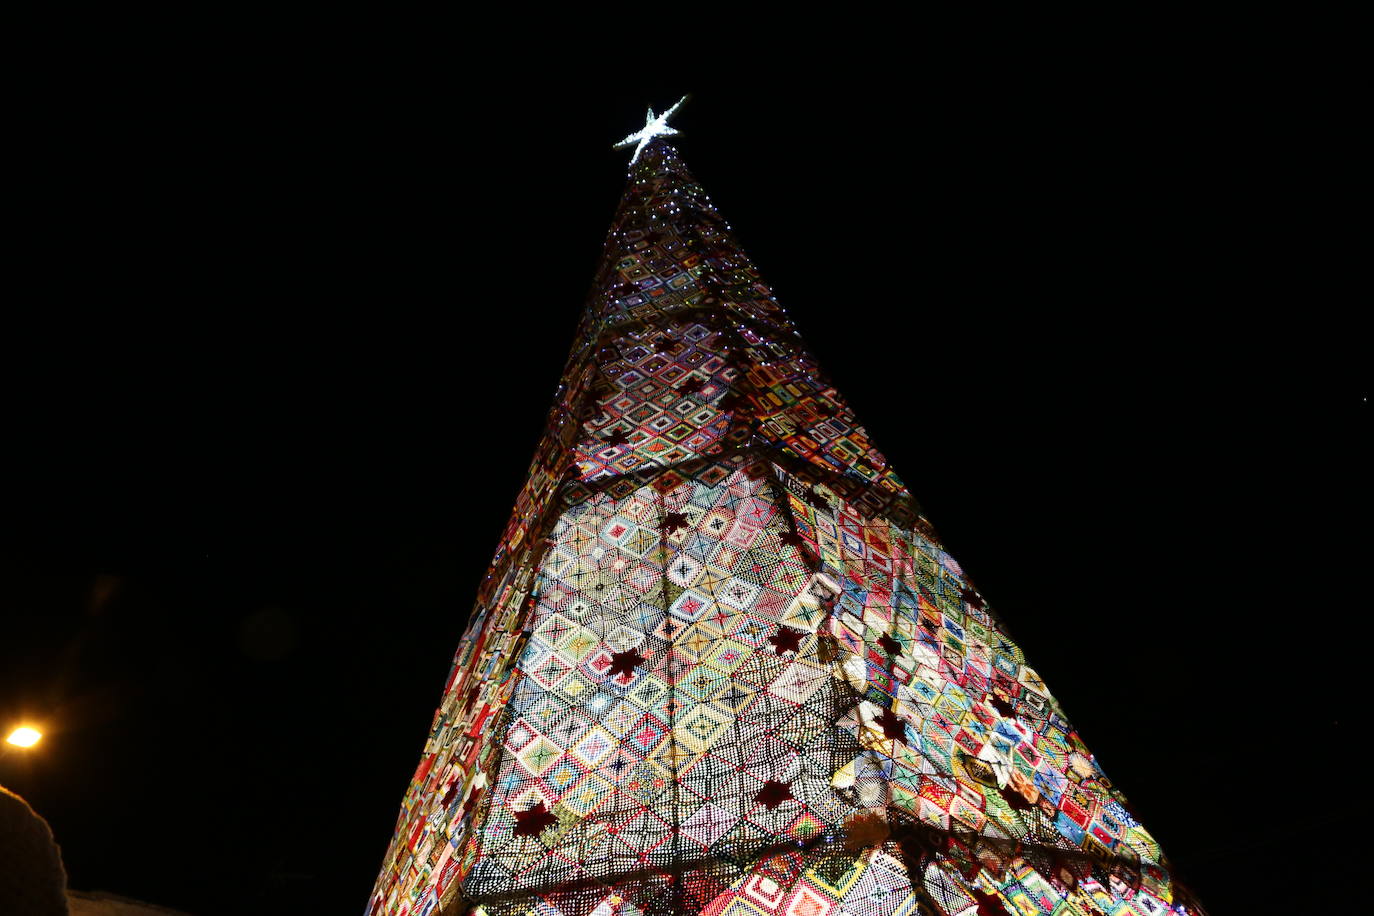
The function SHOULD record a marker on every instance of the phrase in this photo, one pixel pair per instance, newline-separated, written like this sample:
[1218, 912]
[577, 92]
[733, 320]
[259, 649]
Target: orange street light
[24, 736]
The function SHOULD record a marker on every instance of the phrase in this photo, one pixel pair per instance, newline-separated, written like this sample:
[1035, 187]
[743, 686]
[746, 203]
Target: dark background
[284, 322]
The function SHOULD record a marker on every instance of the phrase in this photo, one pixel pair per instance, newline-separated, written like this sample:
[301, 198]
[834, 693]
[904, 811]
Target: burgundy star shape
[674, 521]
[988, 904]
[624, 663]
[533, 821]
[893, 725]
[792, 539]
[692, 385]
[471, 802]
[450, 795]
[619, 437]
[816, 500]
[890, 645]
[1016, 800]
[786, 639]
[1002, 706]
[972, 597]
[773, 793]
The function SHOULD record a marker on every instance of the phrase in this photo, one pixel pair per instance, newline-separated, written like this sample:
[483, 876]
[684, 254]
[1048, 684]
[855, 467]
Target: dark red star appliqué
[693, 385]
[988, 904]
[730, 401]
[624, 663]
[893, 725]
[773, 793]
[890, 645]
[673, 521]
[792, 539]
[786, 640]
[1016, 800]
[1002, 706]
[450, 795]
[972, 598]
[533, 821]
[619, 437]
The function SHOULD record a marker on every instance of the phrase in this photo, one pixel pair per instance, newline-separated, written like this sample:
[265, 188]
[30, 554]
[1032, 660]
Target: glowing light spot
[24, 736]
[654, 126]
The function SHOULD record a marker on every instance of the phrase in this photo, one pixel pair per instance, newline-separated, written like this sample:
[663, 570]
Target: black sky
[283, 329]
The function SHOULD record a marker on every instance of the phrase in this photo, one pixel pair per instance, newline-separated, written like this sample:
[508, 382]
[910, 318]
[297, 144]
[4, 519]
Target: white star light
[653, 127]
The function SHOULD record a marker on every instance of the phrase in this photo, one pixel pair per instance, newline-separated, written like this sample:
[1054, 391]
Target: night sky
[282, 334]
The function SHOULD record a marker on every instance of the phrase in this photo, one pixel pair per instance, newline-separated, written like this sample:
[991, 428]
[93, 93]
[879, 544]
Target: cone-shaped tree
[721, 663]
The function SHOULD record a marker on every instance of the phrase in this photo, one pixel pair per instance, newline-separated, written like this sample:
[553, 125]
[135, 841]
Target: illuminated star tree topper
[654, 126]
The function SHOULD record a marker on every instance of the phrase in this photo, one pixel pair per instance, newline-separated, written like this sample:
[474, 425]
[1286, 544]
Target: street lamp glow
[24, 736]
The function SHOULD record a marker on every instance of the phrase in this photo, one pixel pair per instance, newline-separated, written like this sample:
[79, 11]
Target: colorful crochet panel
[721, 664]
